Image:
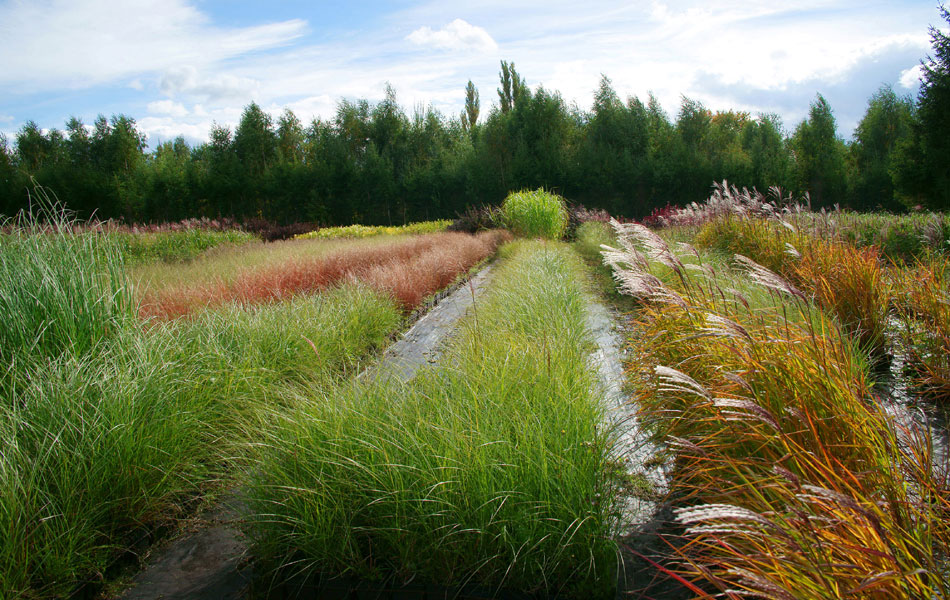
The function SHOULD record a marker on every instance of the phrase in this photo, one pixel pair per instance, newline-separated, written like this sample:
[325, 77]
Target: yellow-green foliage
[363, 231]
[535, 214]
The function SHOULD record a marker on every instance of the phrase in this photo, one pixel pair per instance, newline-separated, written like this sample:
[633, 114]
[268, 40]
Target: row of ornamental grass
[492, 469]
[790, 480]
[407, 268]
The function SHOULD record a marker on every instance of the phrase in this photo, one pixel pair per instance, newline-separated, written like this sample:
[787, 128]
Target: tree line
[378, 164]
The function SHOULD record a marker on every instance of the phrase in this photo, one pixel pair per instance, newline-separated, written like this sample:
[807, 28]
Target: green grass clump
[364, 231]
[490, 470]
[535, 214]
[175, 246]
[59, 291]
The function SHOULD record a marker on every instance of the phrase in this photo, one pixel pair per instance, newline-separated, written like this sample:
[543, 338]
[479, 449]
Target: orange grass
[409, 270]
[845, 281]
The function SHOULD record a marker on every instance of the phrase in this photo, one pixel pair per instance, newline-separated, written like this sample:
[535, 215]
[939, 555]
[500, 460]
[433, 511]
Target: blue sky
[177, 66]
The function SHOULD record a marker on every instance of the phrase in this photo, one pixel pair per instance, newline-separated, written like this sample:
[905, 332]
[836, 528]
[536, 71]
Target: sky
[179, 66]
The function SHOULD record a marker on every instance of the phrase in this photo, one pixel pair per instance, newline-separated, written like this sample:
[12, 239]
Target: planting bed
[212, 561]
[408, 269]
[790, 477]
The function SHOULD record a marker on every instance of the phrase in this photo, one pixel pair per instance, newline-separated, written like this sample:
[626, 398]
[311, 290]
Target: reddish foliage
[408, 270]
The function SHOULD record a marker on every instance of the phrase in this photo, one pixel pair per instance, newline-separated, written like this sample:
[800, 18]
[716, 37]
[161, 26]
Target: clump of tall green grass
[789, 480]
[491, 470]
[535, 213]
[60, 290]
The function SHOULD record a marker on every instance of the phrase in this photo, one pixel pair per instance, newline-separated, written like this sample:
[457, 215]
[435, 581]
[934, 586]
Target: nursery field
[790, 367]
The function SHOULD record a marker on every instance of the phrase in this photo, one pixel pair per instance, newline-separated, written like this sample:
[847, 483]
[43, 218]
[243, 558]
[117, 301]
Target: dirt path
[210, 561]
[425, 340]
[642, 513]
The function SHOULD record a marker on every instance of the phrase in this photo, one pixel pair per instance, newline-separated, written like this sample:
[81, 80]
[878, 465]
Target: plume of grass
[490, 469]
[790, 481]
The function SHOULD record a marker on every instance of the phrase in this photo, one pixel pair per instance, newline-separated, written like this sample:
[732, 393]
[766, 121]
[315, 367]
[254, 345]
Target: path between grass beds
[210, 559]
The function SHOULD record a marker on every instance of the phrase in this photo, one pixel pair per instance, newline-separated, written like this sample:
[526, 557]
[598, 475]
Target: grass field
[110, 430]
[143, 375]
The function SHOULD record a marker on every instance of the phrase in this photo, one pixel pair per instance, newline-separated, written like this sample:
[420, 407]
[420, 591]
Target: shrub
[475, 219]
[535, 214]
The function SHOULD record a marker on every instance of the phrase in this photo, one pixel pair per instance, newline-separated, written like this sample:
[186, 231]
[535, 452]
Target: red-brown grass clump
[408, 270]
[849, 283]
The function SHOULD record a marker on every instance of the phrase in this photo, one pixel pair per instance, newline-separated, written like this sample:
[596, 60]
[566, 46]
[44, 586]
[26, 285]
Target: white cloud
[167, 107]
[137, 85]
[187, 80]
[910, 78]
[457, 35]
[56, 44]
